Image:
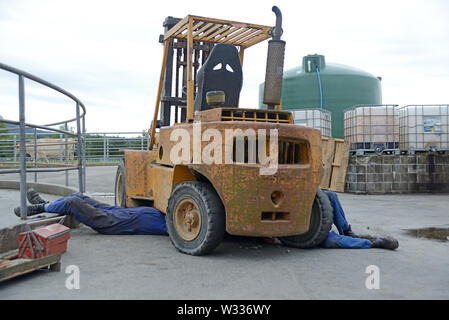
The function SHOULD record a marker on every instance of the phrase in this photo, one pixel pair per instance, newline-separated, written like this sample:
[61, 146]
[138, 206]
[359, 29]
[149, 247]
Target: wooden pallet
[335, 157]
[11, 266]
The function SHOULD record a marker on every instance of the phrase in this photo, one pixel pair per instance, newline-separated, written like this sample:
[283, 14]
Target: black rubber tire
[320, 225]
[120, 178]
[213, 220]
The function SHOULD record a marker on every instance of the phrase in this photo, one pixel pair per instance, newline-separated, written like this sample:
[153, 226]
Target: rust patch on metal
[246, 194]
[136, 173]
[148, 180]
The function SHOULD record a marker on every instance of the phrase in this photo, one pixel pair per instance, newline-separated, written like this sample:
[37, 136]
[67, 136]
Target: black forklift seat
[222, 71]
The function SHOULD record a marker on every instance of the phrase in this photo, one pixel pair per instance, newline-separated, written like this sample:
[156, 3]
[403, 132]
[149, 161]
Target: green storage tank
[341, 87]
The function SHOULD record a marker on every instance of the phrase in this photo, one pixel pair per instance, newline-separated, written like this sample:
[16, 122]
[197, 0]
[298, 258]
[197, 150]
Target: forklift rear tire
[195, 218]
[120, 185]
[320, 225]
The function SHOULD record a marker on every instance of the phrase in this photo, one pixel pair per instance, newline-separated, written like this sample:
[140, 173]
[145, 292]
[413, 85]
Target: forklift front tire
[195, 218]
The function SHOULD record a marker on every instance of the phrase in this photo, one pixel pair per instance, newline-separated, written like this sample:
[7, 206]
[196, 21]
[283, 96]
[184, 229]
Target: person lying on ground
[107, 219]
[101, 217]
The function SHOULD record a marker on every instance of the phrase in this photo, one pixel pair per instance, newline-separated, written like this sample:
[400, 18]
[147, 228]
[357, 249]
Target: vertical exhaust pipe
[275, 64]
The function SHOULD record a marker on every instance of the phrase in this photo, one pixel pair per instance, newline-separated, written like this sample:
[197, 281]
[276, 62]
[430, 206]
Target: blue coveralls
[335, 240]
[107, 219]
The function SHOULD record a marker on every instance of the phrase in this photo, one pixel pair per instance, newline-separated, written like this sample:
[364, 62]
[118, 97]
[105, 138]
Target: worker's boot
[350, 233]
[31, 210]
[34, 197]
[385, 243]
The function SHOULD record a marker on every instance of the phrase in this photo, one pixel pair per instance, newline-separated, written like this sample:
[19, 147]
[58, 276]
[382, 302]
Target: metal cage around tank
[424, 127]
[372, 128]
[314, 118]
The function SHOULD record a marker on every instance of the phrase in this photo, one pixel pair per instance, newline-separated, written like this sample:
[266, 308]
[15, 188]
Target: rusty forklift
[200, 82]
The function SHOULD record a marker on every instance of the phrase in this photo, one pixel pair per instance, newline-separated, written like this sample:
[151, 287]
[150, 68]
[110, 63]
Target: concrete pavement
[149, 267]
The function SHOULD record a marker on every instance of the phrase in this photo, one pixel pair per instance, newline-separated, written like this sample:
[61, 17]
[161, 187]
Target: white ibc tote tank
[424, 127]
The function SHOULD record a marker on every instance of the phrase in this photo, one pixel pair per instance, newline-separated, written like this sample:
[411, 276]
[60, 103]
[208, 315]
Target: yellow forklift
[199, 88]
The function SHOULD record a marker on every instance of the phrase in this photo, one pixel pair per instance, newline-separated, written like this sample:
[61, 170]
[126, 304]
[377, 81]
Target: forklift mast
[177, 66]
[187, 45]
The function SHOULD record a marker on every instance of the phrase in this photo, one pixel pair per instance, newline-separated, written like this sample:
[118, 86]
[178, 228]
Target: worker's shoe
[350, 233]
[34, 197]
[31, 210]
[385, 243]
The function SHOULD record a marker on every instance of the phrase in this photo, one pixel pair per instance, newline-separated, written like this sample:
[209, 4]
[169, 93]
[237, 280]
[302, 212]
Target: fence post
[80, 150]
[14, 148]
[35, 153]
[60, 147]
[23, 174]
[148, 140]
[84, 154]
[104, 148]
[67, 155]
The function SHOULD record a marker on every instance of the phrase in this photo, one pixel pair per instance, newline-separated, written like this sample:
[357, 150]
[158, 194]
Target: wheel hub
[187, 219]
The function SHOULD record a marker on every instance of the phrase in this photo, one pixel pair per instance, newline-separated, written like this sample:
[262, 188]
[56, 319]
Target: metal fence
[24, 130]
[100, 148]
[108, 147]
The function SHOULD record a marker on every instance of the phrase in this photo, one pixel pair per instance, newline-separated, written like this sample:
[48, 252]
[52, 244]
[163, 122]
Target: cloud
[107, 52]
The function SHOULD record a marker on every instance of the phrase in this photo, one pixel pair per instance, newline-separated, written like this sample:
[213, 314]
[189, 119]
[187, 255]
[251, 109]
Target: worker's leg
[83, 212]
[94, 203]
[34, 198]
[385, 242]
[335, 240]
[339, 215]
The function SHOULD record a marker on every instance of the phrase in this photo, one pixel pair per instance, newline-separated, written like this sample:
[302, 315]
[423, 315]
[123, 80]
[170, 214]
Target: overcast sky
[107, 52]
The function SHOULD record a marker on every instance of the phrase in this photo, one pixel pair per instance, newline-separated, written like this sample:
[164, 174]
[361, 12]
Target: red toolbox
[44, 241]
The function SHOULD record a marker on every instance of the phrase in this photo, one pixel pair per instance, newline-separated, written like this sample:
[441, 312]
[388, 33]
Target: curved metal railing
[79, 134]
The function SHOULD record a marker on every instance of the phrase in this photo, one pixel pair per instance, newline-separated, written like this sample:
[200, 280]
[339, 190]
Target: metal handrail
[40, 127]
[45, 83]
[80, 134]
